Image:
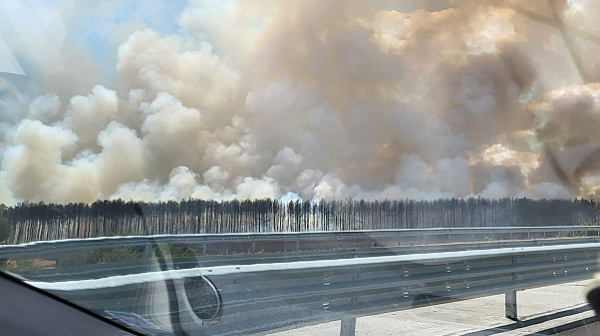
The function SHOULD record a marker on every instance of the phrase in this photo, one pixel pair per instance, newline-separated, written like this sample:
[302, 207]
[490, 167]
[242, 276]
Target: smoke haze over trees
[313, 100]
[39, 221]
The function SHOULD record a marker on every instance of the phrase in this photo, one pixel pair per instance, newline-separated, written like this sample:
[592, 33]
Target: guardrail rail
[255, 298]
[298, 241]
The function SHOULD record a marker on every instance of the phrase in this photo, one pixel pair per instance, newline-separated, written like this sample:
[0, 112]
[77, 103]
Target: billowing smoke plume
[300, 99]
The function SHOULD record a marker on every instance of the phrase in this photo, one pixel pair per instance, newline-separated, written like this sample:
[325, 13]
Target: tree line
[42, 221]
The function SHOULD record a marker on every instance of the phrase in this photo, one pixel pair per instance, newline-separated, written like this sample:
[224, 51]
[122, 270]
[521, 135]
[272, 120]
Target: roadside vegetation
[42, 221]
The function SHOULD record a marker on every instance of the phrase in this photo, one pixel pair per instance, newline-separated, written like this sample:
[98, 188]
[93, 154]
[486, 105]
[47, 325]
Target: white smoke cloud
[45, 108]
[450, 175]
[216, 178]
[88, 115]
[311, 100]
[550, 190]
[285, 165]
[170, 133]
[121, 159]
[35, 157]
[252, 189]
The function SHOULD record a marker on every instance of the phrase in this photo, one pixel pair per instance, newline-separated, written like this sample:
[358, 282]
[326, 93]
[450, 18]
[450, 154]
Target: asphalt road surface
[542, 311]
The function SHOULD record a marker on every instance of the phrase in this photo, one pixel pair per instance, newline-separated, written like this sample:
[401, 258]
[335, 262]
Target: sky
[169, 100]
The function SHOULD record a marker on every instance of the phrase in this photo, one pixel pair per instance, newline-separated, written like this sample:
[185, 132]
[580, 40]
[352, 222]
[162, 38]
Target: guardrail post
[510, 305]
[348, 327]
[510, 298]
[298, 246]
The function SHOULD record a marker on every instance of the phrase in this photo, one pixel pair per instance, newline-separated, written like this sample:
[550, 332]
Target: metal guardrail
[297, 241]
[261, 298]
[95, 271]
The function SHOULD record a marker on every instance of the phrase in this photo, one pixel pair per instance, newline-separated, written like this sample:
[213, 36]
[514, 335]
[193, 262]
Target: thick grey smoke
[305, 99]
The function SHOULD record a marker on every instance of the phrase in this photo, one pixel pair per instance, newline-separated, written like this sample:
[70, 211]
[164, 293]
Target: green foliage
[6, 230]
[590, 233]
[4, 263]
[121, 253]
[117, 254]
[26, 265]
[176, 251]
[99, 256]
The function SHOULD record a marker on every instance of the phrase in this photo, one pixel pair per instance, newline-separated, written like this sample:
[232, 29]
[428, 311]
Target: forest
[40, 221]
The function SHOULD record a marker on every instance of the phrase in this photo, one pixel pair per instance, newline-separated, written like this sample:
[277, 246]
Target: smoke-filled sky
[165, 100]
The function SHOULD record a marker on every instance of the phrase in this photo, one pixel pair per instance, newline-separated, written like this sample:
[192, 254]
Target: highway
[103, 270]
[335, 276]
